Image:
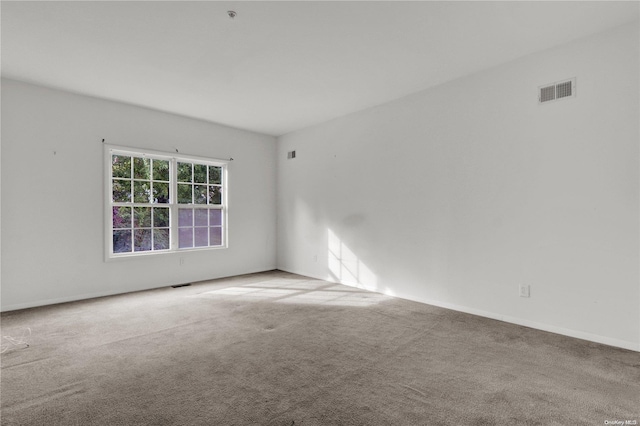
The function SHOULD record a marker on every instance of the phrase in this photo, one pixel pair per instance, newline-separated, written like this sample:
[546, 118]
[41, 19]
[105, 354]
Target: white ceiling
[279, 66]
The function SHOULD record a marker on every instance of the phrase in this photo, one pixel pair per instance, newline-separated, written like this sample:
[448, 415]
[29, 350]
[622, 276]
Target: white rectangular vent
[556, 91]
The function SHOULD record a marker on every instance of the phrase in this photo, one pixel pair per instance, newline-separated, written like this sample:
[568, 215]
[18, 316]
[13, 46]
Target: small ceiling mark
[232, 13]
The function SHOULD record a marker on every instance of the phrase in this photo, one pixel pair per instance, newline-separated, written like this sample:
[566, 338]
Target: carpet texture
[280, 349]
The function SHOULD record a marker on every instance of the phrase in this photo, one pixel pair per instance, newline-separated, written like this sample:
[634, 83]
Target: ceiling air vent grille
[556, 91]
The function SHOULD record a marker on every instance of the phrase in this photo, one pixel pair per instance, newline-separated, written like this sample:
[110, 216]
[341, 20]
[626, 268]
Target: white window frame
[110, 150]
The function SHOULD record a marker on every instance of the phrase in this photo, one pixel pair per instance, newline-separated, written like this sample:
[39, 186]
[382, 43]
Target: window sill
[163, 253]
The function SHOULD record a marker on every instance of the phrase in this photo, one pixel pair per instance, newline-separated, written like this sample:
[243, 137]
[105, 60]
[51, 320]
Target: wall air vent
[556, 91]
[547, 93]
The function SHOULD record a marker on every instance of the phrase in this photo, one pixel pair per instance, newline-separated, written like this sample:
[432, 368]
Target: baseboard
[86, 296]
[624, 344]
[75, 298]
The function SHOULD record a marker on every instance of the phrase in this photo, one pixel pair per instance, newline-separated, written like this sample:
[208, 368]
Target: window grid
[199, 205]
[164, 204]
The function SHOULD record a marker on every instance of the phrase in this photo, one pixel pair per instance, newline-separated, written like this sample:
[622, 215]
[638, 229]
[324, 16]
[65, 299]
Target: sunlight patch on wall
[345, 267]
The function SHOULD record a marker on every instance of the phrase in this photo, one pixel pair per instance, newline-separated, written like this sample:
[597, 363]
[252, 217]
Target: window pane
[184, 193]
[141, 168]
[200, 217]
[215, 195]
[184, 172]
[160, 218]
[142, 217]
[199, 173]
[122, 217]
[161, 170]
[120, 166]
[121, 191]
[185, 217]
[122, 241]
[215, 236]
[161, 239]
[200, 194]
[160, 192]
[215, 174]
[201, 237]
[185, 237]
[196, 193]
[142, 239]
[215, 217]
[141, 191]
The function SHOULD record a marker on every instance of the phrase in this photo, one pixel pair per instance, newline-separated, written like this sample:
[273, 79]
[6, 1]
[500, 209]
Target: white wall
[52, 205]
[456, 195]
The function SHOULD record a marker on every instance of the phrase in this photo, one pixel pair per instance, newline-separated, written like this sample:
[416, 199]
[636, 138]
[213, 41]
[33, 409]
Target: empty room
[320, 213]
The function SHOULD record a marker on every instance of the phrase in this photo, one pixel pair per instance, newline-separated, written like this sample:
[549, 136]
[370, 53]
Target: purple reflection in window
[202, 237]
[215, 236]
[201, 217]
[215, 217]
[185, 217]
[185, 237]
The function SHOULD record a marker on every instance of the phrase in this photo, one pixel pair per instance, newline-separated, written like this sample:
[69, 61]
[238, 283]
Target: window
[161, 203]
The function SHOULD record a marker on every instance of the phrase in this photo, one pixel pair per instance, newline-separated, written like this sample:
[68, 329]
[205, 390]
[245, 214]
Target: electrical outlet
[524, 290]
[315, 258]
[182, 261]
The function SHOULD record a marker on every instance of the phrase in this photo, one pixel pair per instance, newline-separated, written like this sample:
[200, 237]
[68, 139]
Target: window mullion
[173, 203]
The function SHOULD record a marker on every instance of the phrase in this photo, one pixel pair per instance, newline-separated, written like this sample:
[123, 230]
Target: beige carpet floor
[280, 349]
